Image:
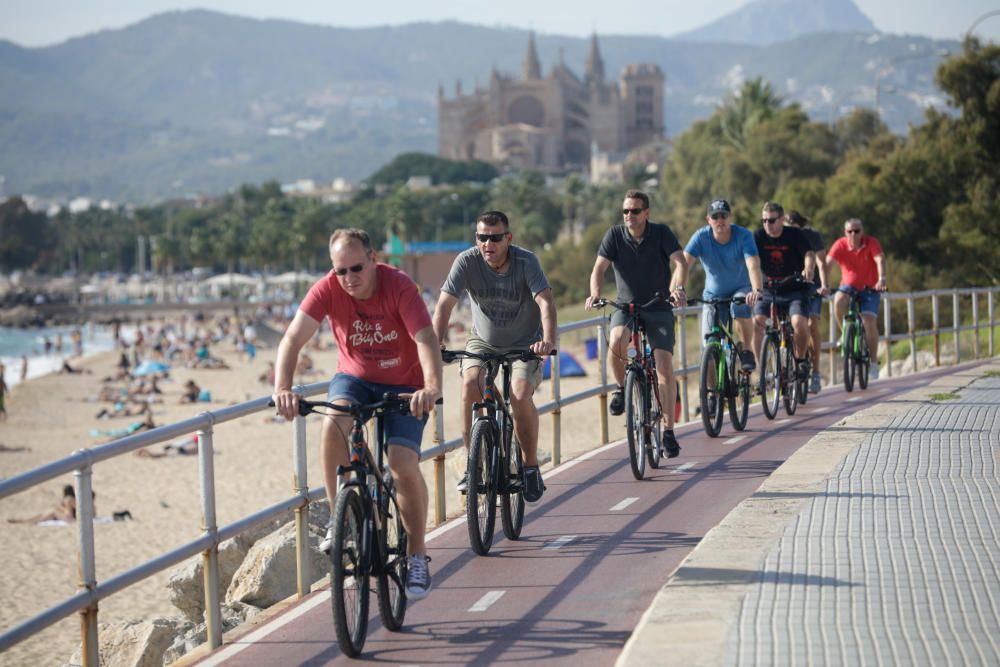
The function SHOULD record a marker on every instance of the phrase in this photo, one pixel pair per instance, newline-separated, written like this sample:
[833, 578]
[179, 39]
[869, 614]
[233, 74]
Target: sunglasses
[853, 231]
[720, 216]
[768, 221]
[496, 238]
[633, 211]
[353, 269]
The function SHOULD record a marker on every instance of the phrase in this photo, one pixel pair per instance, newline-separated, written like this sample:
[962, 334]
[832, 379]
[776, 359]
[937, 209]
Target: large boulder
[233, 614]
[186, 584]
[134, 643]
[267, 574]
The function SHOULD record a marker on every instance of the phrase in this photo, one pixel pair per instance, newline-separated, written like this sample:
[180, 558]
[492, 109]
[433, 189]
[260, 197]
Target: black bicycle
[723, 380]
[496, 465]
[368, 535]
[643, 408]
[854, 343]
[779, 373]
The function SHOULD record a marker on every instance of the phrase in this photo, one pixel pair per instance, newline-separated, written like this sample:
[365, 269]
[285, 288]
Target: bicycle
[779, 373]
[496, 465]
[723, 379]
[854, 344]
[368, 535]
[643, 420]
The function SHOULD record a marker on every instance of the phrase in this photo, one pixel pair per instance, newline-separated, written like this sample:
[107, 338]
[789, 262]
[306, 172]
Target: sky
[44, 22]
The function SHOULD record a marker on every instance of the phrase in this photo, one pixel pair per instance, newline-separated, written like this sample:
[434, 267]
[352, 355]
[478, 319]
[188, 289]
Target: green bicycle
[854, 344]
[723, 379]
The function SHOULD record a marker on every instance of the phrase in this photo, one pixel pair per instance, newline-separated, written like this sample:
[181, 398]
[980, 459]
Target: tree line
[932, 198]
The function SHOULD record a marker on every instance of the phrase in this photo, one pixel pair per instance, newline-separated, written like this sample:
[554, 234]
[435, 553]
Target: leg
[665, 380]
[619, 342]
[815, 340]
[334, 437]
[871, 334]
[522, 404]
[411, 494]
[759, 323]
[800, 323]
[471, 393]
[840, 303]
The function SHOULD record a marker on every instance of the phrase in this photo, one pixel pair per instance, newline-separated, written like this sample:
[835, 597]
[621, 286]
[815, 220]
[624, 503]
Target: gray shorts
[520, 370]
[659, 327]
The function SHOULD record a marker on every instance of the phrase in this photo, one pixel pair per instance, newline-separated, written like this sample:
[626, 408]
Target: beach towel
[116, 432]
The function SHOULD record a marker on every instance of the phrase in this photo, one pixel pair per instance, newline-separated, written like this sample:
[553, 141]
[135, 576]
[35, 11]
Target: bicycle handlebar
[772, 284]
[601, 302]
[391, 402]
[718, 302]
[449, 356]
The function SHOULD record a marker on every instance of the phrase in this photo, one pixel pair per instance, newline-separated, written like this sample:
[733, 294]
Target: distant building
[553, 123]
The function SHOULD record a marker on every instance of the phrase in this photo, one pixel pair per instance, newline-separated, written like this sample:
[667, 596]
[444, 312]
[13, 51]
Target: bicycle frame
[643, 362]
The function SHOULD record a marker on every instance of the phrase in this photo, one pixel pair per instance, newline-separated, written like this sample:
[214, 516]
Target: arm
[678, 278]
[881, 285]
[596, 277]
[429, 352]
[442, 316]
[824, 273]
[689, 258]
[756, 282]
[302, 328]
[547, 306]
[810, 265]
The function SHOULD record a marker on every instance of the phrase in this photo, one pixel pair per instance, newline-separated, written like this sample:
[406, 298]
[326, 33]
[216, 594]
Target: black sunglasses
[853, 231]
[719, 216]
[633, 211]
[353, 269]
[496, 238]
[768, 221]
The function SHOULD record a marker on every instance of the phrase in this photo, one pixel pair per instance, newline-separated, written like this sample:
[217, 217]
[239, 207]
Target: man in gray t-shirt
[512, 309]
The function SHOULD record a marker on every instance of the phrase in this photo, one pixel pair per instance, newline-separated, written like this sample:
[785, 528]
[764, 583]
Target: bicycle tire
[788, 389]
[864, 360]
[710, 392]
[481, 497]
[654, 444]
[802, 385]
[634, 408]
[849, 362]
[770, 381]
[512, 498]
[349, 583]
[390, 583]
[739, 398]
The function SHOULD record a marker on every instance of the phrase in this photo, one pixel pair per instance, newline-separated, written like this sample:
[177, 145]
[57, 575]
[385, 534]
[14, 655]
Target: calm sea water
[31, 343]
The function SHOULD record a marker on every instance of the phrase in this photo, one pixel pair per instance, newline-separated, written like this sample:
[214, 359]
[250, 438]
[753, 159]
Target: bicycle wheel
[770, 380]
[802, 383]
[481, 498]
[788, 391]
[349, 573]
[710, 391]
[849, 351]
[390, 584]
[739, 395]
[864, 360]
[634, 422]
[654, 444]
[512, 505]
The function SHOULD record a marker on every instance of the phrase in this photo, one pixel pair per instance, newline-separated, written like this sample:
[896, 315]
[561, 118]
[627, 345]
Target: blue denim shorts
[869, 300]
[816, 306]
[739, 311]
[404, 430]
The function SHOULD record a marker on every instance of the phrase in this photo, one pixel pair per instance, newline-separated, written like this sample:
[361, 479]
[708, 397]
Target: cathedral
[553, 123]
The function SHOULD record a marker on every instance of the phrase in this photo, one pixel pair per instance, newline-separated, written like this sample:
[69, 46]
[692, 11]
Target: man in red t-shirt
[386, 343]
[862, 264]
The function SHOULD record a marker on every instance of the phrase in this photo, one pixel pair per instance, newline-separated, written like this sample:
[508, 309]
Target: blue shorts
[403, 430]
[869, 300]
[794, 302]
[739, 311]
[815, 306]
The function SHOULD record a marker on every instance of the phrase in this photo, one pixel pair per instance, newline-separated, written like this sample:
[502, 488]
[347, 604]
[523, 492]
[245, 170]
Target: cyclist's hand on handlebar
[752, 297]
[678, 298]
[881, 285]
[589, 303]
[823, 291]
[286, 403]
[542, 348]
[421, 401]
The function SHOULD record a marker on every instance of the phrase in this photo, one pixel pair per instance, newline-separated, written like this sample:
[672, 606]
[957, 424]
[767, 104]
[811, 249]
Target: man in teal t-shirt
[732, 268]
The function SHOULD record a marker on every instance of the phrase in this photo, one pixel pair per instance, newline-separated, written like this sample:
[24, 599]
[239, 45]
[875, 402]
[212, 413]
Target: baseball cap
[719, 205]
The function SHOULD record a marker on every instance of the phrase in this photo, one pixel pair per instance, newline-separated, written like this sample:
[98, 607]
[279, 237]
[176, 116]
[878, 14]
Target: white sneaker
[327, 541]
[873, 371]
[418, 577]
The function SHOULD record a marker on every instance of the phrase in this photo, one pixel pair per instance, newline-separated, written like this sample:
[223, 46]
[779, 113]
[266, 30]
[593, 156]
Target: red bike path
[592, 554]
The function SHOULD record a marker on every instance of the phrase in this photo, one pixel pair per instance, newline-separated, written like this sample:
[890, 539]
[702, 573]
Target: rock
[186, 583]
[267, 574]
[134, 643]
[233, 614]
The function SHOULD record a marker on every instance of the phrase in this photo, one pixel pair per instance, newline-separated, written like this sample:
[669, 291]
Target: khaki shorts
[520, 370]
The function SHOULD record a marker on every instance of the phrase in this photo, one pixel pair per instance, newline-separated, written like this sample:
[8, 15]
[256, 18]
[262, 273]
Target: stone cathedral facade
[553, 123]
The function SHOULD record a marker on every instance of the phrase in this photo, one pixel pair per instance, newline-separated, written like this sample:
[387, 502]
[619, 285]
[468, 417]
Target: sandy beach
[52, 417]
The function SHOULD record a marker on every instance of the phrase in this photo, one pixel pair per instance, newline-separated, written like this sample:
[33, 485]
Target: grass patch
[950, 396]
[992, 374]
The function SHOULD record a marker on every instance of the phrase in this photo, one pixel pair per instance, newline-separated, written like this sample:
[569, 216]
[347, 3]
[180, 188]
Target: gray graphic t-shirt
[504, 312]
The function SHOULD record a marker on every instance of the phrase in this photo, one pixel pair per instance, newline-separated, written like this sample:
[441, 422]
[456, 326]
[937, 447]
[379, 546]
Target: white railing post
[956, 322]
[87, 568]
[989, 309]
[210, 557]
[888, 336]
[911, 324]
[833, 343]
[936, 314]
[440, 510]
[684, 378]
[555, 371]
[602, 351]
[300, 487]
[975, 324]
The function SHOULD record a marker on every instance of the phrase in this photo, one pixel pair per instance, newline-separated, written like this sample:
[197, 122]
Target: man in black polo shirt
[641, 253]
[796, 219]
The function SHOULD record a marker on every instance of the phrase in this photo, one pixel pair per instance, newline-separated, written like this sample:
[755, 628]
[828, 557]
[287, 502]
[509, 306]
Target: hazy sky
[44, 22]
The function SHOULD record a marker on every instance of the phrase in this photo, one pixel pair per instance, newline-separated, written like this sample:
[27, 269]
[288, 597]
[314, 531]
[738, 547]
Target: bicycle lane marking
[559, 542]
[486, 601]
[733, 440]
[623, 504]
[684, 467]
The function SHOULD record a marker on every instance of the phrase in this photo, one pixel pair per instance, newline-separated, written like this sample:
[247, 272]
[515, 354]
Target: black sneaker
[618, 402]
[463, 484]
[747, 361]
[671, 446]
[533, 485]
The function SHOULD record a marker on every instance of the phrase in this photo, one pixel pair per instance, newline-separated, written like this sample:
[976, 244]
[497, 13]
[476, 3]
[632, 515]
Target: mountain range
[199, 102]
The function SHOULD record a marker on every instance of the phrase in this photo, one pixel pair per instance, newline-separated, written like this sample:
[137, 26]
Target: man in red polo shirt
[862, 264]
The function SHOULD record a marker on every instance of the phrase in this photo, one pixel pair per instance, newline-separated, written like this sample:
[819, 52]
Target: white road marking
[487, 601]
[623, 504]
[733, 440]
[684, 467]
[819, 410]
[783, 421]
[561, 542]
[853, 399]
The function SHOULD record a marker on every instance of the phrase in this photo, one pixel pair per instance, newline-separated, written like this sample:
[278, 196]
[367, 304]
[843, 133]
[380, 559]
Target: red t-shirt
[375, 336]
[857, 267]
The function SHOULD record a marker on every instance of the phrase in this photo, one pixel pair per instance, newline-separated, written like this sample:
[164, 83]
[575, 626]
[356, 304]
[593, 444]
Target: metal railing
[81, 463]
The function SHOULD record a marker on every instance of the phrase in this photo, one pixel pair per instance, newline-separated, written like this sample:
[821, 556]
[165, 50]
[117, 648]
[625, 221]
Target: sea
[15, 342]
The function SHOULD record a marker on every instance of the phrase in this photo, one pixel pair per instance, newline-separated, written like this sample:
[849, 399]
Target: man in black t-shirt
[819, 280]
[641, 253]
[784, 252]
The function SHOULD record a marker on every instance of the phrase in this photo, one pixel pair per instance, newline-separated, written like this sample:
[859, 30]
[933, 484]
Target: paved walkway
[878, 542]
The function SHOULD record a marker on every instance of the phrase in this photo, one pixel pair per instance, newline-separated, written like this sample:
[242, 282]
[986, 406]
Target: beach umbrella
[149, 367]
